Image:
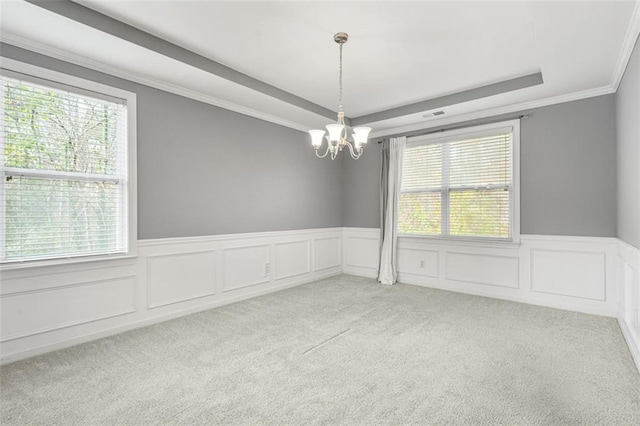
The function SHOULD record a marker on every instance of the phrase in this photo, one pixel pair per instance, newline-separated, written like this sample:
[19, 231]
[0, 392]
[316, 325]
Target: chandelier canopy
[337, 137]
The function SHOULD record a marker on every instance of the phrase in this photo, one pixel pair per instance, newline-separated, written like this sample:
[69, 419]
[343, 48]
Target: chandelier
[337, 137]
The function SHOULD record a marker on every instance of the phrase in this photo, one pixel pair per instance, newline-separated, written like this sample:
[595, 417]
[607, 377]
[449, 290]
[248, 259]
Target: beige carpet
[340, 351]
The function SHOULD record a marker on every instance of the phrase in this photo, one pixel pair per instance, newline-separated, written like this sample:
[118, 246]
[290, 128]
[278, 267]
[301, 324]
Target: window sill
[468, 242]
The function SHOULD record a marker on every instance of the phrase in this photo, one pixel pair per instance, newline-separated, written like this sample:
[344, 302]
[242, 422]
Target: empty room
[319, 212]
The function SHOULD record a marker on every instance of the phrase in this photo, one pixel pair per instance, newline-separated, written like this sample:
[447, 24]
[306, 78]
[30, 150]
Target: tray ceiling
[398, 53]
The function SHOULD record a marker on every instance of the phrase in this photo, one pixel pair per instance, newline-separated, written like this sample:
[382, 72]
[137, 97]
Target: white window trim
[130, 99]
[514, 127]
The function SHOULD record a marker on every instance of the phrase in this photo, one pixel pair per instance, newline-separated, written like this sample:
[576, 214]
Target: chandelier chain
[341, 108]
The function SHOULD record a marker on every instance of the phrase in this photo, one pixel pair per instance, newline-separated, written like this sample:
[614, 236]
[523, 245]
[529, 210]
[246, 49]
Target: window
[65, 154]
[460, 184]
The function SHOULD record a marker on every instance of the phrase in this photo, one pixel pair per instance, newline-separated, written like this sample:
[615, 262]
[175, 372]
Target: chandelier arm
[354, 154]
[325, 153]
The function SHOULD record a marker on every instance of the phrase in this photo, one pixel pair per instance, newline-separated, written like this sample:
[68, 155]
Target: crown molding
[584, 94]
[72, 58]
[630, 38]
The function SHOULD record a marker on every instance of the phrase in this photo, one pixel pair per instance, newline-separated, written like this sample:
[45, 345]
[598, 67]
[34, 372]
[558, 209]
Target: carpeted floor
[340, 351]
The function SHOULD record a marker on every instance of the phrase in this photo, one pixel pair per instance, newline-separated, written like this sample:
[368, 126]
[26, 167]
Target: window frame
[83, 86]
[472, 132]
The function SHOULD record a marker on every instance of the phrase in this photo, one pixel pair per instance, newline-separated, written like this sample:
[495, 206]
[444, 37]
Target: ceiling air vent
[433, 114]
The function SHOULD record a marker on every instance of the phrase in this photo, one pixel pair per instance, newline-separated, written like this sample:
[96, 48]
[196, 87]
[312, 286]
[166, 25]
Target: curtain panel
[391, 170]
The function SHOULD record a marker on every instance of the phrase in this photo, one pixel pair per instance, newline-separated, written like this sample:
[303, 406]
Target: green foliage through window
[64, 172]
[458, 188]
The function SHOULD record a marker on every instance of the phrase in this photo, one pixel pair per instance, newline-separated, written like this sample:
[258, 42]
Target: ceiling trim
[123, 31]
[630, 39]
[590, 93]
[453, 98]
[98, 66]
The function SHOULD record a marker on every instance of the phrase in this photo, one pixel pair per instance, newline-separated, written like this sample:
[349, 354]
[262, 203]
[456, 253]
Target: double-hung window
[462, 184]
[65, 167]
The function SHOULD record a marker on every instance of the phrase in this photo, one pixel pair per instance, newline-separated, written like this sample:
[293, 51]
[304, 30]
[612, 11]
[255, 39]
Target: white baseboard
[169, 278]
[632, 342]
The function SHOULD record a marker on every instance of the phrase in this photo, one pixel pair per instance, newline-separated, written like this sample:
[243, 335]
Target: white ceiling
[398, 52]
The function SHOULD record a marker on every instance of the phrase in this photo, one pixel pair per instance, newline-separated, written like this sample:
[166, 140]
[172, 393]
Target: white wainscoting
[52, 307]
[293, 258]
[629, 287]
[176, 277]
[324, 254]
[245, 266]
[48, 308]
[573, 273]
[361, 248]
[489, 269]
[29, 313]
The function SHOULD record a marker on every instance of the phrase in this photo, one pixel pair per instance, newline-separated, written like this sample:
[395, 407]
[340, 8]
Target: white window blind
[63, 164]
[458, 186]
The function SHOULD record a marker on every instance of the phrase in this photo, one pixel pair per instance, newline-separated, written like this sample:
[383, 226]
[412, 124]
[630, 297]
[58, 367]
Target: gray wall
[204, 170]
[567, 172]
[628, 134]
[221, 172]
[568, 169]
[361, 188]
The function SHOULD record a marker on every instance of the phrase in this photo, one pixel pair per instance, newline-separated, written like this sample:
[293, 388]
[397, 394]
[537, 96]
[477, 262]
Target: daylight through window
[64, 172]
[459, 186]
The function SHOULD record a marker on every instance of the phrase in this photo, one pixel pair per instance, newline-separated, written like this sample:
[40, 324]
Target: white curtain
[389, 190]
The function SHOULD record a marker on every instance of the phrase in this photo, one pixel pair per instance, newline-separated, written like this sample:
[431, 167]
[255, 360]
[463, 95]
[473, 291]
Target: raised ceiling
[399, 53]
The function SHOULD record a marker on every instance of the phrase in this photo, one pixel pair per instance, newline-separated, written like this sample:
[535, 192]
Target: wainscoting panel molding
[327, 253]
[292, 258]
[30, 313]
[569, 273]
[419, 262]
[573, 273]
[46, 308]
[628, 260]
[45, 278]
[176, 277]
[245, 266]
[501, 271]
[360, 255]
